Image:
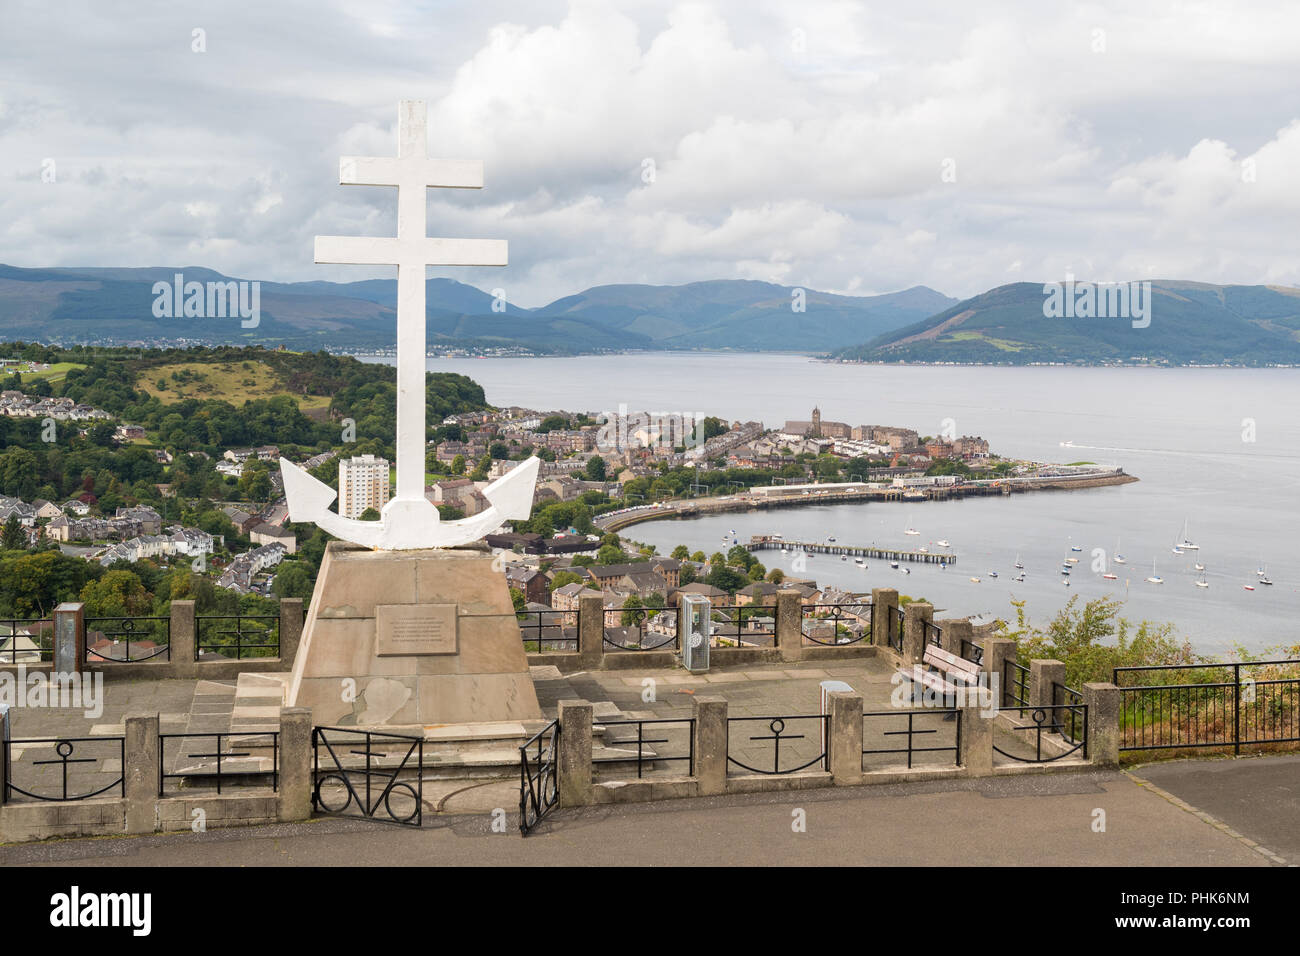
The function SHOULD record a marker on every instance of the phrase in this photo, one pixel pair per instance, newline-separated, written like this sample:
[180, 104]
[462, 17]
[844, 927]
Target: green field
[233, 382]
[55, 373]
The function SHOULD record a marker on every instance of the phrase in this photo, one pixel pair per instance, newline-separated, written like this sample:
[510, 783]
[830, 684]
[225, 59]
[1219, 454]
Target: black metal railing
[1046, 721]
[135, 639]
[26, 641]
[65, 760]
[367, 780]
[897, 627]
[849, 623]
[1070, 700]
[779, 733]
[543, 631]
[972, 652]
[750, 624]
[238, 635]
[650, 757]
[911, 731]
[639, 629]
[1015, 684]
[539, 779]
[1213, 705]
[213, 757]
[932, 633]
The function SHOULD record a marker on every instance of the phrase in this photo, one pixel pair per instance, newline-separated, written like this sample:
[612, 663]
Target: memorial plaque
[405, 629]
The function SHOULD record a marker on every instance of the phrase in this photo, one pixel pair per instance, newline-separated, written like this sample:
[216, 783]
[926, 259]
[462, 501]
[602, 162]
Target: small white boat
[993, 574]
[922, 550]
[1198, 567]
[1066, 582]
[1071, 560]
[1111, 577]
[1202, 583]
[975, 580]
[942, 543]
[859, 561]
[1155, 578]
[1186, 543]
[1075, 547]
[1019, 577]
[907, 570]
[1018, 565]
[1248, 587]
[1265, 580]
[893, 564]
[910, 529]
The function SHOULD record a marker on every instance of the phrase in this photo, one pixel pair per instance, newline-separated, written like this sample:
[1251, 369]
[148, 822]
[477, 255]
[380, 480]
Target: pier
[764, 542]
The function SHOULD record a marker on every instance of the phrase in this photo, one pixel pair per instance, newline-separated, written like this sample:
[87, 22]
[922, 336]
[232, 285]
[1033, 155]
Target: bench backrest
[941, 660]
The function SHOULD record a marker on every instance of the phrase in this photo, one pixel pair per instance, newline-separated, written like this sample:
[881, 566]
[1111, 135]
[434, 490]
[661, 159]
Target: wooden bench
[943, 672]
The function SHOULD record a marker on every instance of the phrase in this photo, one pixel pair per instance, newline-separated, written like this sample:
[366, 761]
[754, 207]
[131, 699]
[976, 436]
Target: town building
[363, 483]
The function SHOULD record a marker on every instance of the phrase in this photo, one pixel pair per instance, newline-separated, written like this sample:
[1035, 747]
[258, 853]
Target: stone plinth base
[411, 638]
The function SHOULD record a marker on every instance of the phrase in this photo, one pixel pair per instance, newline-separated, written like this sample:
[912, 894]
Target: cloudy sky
[851, 147]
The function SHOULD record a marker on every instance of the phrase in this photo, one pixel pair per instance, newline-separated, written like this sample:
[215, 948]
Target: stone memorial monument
[407, 625]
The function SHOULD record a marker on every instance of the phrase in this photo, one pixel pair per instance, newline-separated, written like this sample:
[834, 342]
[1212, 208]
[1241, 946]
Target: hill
[116, 307]
[1191, 323]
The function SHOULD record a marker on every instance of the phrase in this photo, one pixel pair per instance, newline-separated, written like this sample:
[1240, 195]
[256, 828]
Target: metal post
[1236, 709]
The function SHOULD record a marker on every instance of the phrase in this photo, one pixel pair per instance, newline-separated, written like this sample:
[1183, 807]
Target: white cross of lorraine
[409, 519]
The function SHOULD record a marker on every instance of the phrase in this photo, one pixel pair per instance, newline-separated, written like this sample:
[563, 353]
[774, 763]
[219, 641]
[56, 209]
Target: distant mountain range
[1189, 323]
[116, 307]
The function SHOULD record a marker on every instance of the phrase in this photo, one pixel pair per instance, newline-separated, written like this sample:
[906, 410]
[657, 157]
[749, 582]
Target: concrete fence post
[997, 651]
[1042, 675]
[918, 615]
[1103, 700]
[955, 630]
[295, 753]
[142, 756]
[184, 640]
[789, 625]
[710, 745]
[976, 750]
[844, 738]
[575, 753]
[591, 631]
[291, 621]
[69, 638]
[884, 601]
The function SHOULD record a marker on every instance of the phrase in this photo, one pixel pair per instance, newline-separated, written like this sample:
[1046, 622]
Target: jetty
[767, 542]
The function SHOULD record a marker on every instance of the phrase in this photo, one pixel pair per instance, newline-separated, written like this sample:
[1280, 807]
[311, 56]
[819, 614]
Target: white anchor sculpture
[409, 520]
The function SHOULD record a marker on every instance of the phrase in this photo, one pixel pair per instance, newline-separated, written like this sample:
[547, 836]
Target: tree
[631, 606]
[119, 593]
[727, 579]
[370, 514]
[608, 554]
[458, 465]
[14, 538]
[596, 468]
[563, 578]
[681, 552]
[687, 575]
[517, 599]
[292, 580]
[776, 575]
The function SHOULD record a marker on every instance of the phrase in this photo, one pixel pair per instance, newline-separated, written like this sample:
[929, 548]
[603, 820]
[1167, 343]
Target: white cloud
[792, 141]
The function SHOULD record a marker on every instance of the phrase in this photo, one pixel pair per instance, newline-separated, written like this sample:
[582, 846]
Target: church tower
[816, 431]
